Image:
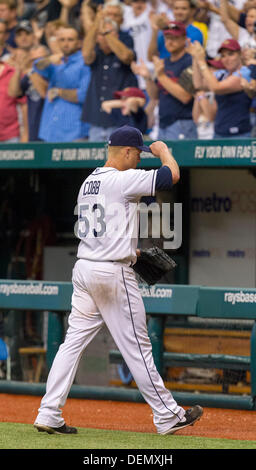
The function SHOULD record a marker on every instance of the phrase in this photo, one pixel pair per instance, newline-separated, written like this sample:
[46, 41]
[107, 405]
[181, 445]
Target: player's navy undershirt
[164, 179]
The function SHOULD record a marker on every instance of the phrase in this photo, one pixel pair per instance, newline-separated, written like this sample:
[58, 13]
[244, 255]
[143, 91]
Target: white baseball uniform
[106, 291]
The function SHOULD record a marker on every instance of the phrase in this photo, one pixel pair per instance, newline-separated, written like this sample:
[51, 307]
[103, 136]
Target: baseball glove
[152, 264]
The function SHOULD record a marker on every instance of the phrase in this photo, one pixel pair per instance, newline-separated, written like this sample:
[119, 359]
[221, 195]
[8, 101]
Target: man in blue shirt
[175, 103]
[68, 78]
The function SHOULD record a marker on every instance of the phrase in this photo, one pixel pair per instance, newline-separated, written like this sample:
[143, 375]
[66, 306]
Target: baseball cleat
[191, 416]
[50, 430]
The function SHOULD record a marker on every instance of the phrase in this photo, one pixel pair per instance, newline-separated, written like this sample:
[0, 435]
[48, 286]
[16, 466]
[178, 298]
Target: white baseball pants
[108, 292]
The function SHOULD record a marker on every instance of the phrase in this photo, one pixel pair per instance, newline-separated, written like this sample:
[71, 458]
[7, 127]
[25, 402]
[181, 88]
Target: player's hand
[159, 148]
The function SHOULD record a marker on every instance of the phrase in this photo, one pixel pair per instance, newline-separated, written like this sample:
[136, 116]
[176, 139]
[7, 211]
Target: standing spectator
[10, 129]
[183, 11]
[24, 35]
[239, 15]
[233, 104]
[109, 52]
[245, 36]
[8, 13]
[4, 53]
[114, 9]
[26, 83]
[217, 32]
[68, 79]
[137, 23]
[175, 103]
[21, 59]
[24, 40]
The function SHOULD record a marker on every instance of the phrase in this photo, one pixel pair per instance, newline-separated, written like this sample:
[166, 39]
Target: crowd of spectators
[75, 70]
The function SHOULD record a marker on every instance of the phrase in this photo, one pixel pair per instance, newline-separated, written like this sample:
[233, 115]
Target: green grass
[24, 436]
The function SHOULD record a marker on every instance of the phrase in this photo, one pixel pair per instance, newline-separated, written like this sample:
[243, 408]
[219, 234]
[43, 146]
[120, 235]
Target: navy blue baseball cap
[127, 136]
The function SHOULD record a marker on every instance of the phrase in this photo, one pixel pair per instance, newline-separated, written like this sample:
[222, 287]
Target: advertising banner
[223, 228]
[188, 153]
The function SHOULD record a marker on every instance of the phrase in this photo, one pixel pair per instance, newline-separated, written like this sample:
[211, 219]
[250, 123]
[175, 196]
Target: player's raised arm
[160, 150]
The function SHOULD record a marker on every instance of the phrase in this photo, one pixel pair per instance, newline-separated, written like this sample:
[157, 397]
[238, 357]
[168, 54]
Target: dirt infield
[216, 422]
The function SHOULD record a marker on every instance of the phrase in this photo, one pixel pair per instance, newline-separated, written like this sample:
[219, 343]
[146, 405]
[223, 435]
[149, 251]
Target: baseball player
[105, 289]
